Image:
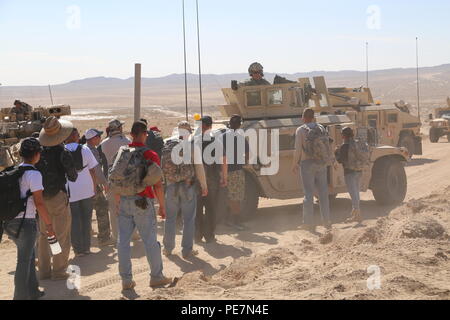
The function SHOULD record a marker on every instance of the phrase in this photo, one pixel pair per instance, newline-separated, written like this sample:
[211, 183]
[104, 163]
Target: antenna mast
[51, 96]
[185, 64]
[418, 84]
[199, 62]
[367, 64]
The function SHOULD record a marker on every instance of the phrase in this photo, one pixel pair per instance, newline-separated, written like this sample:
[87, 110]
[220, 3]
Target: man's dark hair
[308, 114]
[235, 122]
[144, 121]
[138, 128]
[348, 132]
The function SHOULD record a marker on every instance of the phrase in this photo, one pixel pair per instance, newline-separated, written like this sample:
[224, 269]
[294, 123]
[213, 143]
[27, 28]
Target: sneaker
[191, 254]
[80, 255]
[356, 216]
[211, 240]
[167, 253]
[128, 286]
[160, 282]
[328, 226]
[38, 295]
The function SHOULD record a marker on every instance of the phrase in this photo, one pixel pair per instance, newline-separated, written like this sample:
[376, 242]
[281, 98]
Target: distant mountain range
[387, 85]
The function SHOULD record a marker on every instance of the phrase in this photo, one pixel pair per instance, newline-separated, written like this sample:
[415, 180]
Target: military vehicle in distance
[394, 124]
[440, 123]
[280, 107]
[12, 131]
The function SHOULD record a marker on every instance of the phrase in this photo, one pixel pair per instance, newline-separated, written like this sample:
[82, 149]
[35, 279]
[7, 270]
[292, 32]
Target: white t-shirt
[83, 187]
[30, 181]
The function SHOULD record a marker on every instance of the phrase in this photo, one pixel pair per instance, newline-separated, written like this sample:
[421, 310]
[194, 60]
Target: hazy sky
[49, 41]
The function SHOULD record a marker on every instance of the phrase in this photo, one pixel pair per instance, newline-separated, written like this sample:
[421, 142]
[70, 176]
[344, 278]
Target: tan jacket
[110, 146]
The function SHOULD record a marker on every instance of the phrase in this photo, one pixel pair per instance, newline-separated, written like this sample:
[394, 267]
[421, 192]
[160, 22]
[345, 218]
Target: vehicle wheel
[434, 135]
[389, 182]
[407, 141]
[251, 201]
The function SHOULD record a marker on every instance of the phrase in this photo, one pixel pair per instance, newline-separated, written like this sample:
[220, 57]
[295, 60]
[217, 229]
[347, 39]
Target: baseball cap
[92, 133]
[115, 124]
[207, 120]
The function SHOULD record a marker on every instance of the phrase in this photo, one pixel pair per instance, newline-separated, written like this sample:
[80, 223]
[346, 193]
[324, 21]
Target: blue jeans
[314, 178]
[25, 280]
[81, 225]
[131, 217]
[353, 182]
[180, 198]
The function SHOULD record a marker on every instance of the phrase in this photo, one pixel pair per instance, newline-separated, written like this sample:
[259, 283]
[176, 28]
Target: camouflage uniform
[253, 82]
[100, 202]
[21, 110]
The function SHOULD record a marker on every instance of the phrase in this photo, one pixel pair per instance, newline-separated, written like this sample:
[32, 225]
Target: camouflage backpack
[317, 145]
[131, 173]
[175, 173]
[358, 155]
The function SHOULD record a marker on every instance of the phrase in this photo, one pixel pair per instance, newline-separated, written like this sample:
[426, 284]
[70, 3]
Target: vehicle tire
[434, 135]
[390, 184]
[407, 141]
[250, 204]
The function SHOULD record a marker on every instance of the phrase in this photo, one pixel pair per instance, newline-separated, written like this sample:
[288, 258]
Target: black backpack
[56, 166]
[77, 157]
[155, 142]
[11, 203]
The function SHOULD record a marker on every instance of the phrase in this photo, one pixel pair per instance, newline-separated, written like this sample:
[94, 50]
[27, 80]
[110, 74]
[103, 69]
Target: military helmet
[256, 68]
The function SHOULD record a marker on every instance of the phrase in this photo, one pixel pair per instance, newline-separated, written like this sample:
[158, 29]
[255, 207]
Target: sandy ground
[408, 245]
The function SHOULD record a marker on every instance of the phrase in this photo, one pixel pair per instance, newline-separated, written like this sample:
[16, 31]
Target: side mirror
[234, 85]
[430, 116]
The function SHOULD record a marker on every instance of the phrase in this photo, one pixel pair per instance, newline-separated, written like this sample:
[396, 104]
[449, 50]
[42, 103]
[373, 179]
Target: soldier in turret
[256, 72]
[22, 110]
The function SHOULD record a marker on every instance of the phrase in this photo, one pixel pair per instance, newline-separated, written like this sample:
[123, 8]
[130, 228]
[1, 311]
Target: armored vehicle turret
[12, 129]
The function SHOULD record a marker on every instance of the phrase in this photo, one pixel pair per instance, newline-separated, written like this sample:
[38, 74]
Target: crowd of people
[66, 177]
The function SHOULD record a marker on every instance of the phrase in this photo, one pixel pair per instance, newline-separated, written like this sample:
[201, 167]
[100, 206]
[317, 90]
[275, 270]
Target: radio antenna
[185, 64]
[199, 61]
[418, 83]
[367, 64]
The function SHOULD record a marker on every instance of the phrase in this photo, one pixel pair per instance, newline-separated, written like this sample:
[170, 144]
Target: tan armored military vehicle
[394, 124]
[12, 131]
[279, 107]
[440, 123]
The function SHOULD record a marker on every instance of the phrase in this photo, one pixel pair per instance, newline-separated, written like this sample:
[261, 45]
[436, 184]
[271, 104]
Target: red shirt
[153, 157]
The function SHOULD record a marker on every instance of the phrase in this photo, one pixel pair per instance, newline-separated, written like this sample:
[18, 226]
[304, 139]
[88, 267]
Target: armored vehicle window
[253, 98]
[275, 97]
[372, 120]
[392, 118]
[287, 142]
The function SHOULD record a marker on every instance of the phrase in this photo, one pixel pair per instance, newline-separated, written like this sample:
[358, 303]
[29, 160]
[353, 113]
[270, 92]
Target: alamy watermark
[250, 147]
[73, 21]
[374, 17]
[374, 281]
[74, 280]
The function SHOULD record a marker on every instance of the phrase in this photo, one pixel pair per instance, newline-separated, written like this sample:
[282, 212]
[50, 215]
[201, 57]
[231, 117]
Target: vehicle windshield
[444, 113]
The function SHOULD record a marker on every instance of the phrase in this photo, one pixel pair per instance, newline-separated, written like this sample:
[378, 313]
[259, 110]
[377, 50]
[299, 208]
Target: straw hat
[55, 132]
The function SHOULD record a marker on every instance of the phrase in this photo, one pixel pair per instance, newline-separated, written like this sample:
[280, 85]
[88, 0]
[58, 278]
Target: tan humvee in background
[12, 131]
[440, 123]
[280, 107]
